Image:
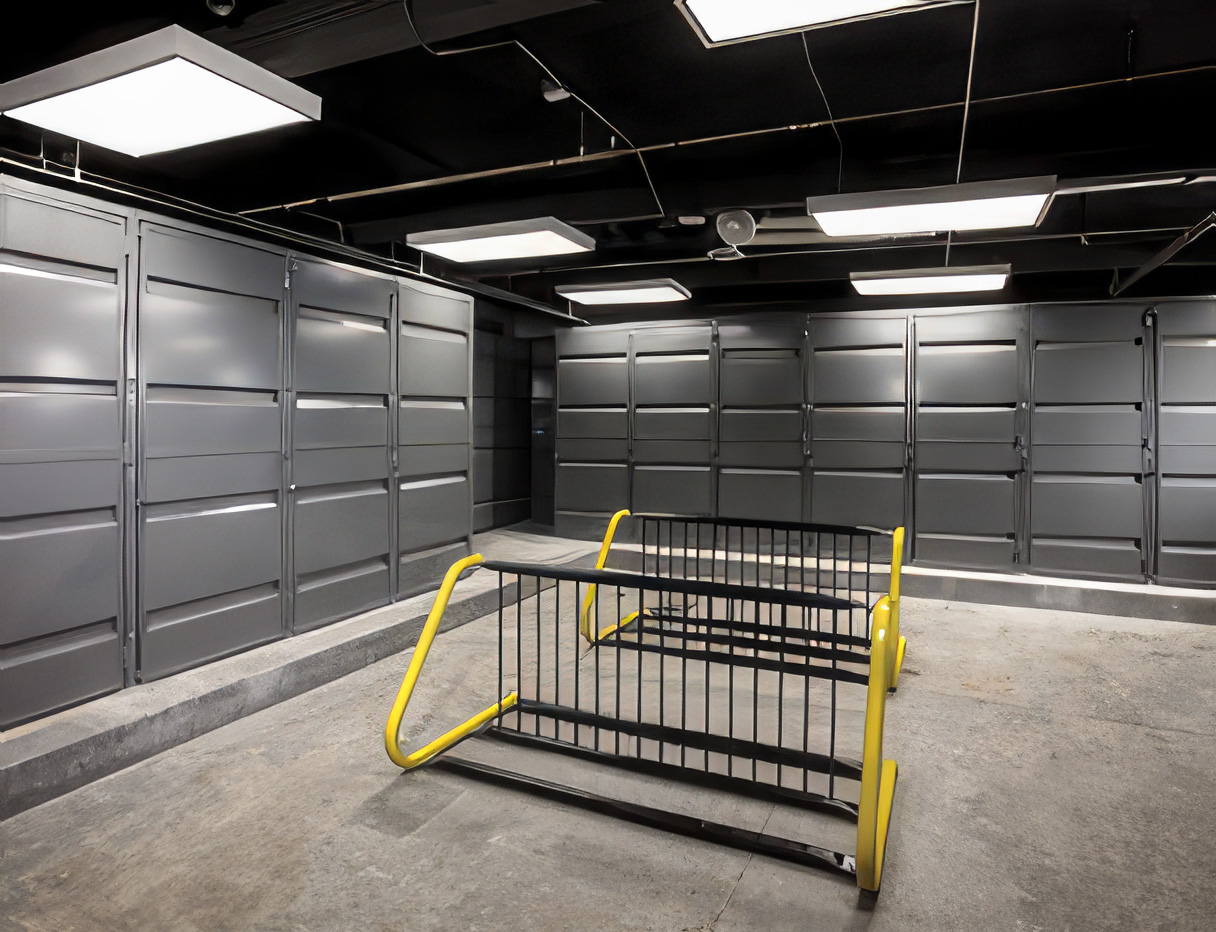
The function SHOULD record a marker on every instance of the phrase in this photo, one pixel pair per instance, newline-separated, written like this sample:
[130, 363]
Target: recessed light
[980, 205]
[931, 281]
[659, 291]
[515, 239]
[167, 90]
[721, 21]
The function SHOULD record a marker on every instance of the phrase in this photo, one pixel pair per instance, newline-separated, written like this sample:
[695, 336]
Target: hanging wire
[407, 6]
[831, 119]
[962, 139]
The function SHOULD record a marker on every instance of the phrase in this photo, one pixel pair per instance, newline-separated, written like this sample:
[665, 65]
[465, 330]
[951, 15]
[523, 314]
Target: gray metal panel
[332, 356]
[602, 487]
[592, 341]
[1087, 506]
[58, 328]
[38, 426]
[1188, 373]
[596, 382]
[333, 596]
[968, 505]
[762, 495]
[173, 255]
[181, 425]
[592, 451]
[1187, 318]
[430, 306]
[858, 376]
[1188, 426]
[973, 425]
[427, 422]
[756, 426]
[1188, 510]
[501, 422]
[1187, 460]
[177, 478]
[340, 464]
[433, 362]
[1187, 565]
[35, 555]
[1125, 459]
[196, 551]
[190, 336]
[967, 375]
[858, 424]
[761, 335]
[672, 424]
[857, 331]
[45, 227]
[964, 456]
[761, 455]
[671, 451]
[686, 490]
[185, 636]
[1081, 323]
[432, 460]
[43, 675]
[758, 379]
[345, 422]
[500, 474]
[433, 512]
[67, 485]
[1106, 373]
[965, 551]
[658, 380]
[858, 498]
[338, 525]
[968, 326]
[1087, 557]
[576, 423]
[668, 339]
[857, 454]
[319, 284]
[1089, 424]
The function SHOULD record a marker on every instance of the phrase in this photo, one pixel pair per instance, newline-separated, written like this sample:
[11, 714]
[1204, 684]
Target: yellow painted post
[869, 856]
[897, 643]
[584, 617]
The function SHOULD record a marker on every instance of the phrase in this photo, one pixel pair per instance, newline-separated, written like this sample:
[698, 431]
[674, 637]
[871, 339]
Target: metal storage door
[1186, 459]
[211, 476]
[340, 497]
[761, 420]
[502, 461]
[62, 288]
[970, 438]
[1088, 508]
[858, 421]
[673, 409]
[592, 466]
[434, 381]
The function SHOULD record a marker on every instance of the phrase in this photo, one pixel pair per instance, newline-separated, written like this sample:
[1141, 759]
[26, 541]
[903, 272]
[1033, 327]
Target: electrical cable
[831, 119]
[962, 139]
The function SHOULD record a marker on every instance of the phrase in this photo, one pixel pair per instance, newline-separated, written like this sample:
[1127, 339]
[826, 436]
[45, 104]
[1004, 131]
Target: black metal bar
[538, 643]
[519, 641]
[776, 646]
[785, 631]
[732, 836]
[753, 523]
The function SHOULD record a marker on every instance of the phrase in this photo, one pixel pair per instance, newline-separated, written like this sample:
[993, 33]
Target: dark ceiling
[410, 141]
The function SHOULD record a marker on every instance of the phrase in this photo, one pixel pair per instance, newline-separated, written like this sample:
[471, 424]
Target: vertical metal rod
[684, 683]
[578, 695]
[501, 637]
[596, 648]
[781, 697]
[640, 652]
[730, 697]
[708, 631]
[755, 695]
[617, 651]
[643, 546]
[832, 719]
[519, 644]
[539, 654]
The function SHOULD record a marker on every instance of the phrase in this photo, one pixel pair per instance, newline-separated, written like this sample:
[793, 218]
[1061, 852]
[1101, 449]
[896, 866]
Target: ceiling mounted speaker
[736, 227]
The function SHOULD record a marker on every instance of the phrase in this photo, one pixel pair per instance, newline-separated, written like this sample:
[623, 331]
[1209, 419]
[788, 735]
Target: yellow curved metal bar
[898, 643]
[584, 615]
[613, 628]
[878, 776]
[429, 630]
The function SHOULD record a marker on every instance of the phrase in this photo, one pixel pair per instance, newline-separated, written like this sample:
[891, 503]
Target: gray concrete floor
[1057, 772]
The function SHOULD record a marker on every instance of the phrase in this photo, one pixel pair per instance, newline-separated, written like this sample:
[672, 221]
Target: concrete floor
[1057, 772]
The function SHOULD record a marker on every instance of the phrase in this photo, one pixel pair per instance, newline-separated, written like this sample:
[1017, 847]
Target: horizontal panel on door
[873, 499]
[342, 353]
[592, 341]
[434, 459]
[1187, 460]
[339, 464]
[742, 425]
[761, 336]
[57, 572]
[755, 378]
[337, 593]
[600, 487]
[183, 636]
[340, 421]
[57, 326]
[760, 494]
[1188, 509]
[1184, 425]
[1108, 322]
[1087, 424]
[589, 423]
[858, 376]
[965, 504]
[1126, 459]
[967, 551]
[859, 423]
[1187, 565]
[689, 423]
[761, 455]
[433, 363]
[39, 227]
[46, 674]
[967, 375]
[682, 490]
[595, 451]
[593, 382]
[668, 339]
[988, 326]
[431, 421]
[68, 485]
[680, 379]
[967, 456]
[190, 336]
[1098, 372]
[201, 422]
[967, 424]
[340, 524]
[433, 512]
[671, 451]
[1087, 557]
[172, 255]
[331, 287]
[172, 479]
[41, 426]
[435, 307]
[1087, 506]
[857, 454]
[858, 331]
[1188, 370]
[193, 550]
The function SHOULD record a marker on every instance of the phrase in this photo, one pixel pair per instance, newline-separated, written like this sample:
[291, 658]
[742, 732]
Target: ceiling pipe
[1166, 254]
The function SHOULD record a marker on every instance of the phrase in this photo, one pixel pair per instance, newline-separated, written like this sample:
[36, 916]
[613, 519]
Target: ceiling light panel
[980, 205]
[167, 90]
[931, 281]
[493, 242]
[660, 291]
[719, 22]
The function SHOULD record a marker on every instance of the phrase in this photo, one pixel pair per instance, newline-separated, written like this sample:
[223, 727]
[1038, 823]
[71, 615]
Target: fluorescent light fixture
[978, 205]
[659, 291]
[515, 239]
[719, 22]
[931, 281]
[167, 90]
